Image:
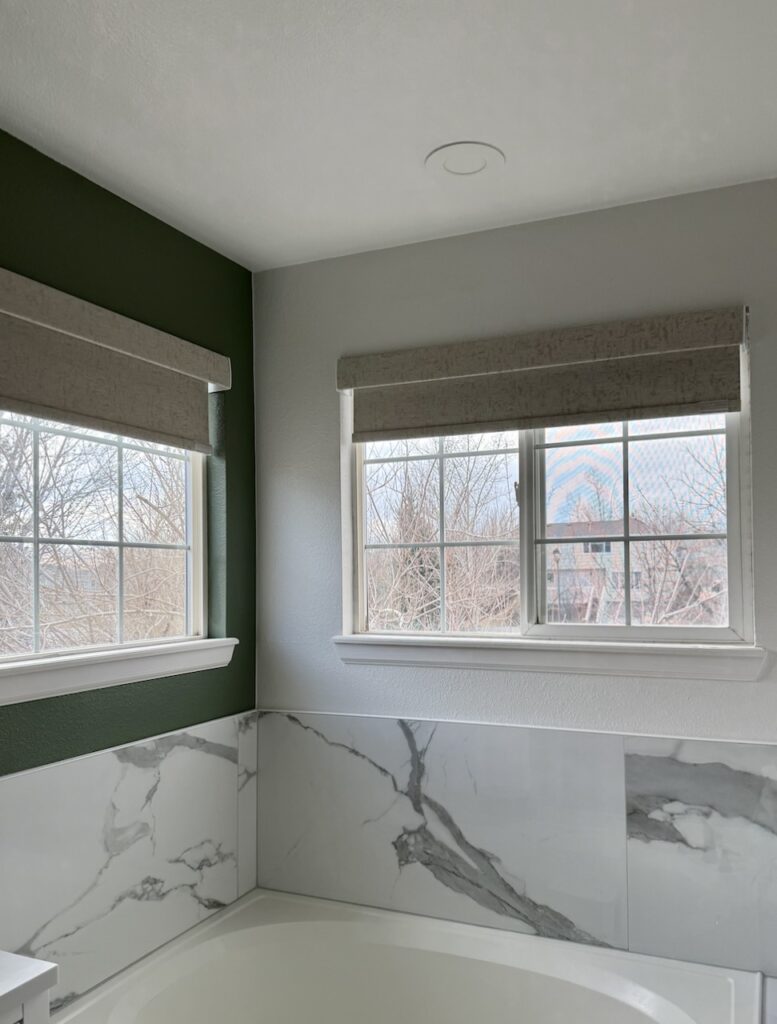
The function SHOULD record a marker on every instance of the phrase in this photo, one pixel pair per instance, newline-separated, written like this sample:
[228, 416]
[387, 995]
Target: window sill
[736, 662]
[50, 676]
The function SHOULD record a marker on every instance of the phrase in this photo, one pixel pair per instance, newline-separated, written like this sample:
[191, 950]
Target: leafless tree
[672, 580]
[482, 585]
[78, 501]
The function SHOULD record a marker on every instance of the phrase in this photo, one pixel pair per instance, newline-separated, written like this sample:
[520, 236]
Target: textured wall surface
[61, 229]
[107, 856]
[658, 847]
[702, 251]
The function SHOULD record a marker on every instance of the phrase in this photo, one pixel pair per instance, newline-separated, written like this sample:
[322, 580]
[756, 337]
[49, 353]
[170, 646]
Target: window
[615, 530]
[441, 526]
[100, 541]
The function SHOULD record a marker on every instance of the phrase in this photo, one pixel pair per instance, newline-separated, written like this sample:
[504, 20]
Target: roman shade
[66, 359]
[672, 365]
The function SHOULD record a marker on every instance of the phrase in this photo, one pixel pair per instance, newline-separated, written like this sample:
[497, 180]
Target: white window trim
[197, 530]
[39, 675]
[35, 677]
[734, 662]
[740, 629]
[722, 654]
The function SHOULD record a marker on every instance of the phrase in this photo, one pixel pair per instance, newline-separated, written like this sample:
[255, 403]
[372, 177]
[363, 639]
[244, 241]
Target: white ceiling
[286, 131]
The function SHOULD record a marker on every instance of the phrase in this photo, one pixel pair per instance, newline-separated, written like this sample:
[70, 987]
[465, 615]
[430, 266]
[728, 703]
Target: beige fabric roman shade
[65, 359]
[672, 365]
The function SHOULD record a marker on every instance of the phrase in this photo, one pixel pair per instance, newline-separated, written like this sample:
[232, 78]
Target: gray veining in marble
[702, 851]
[495, 825]
[246, 802]
[108, 856]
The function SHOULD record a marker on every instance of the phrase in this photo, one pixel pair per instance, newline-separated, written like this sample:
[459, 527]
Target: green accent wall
[59, 228]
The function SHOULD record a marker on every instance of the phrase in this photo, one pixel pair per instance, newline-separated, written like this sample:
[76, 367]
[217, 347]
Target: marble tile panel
[510, 827]
[247, 728]
[105, 857]
[702, 851]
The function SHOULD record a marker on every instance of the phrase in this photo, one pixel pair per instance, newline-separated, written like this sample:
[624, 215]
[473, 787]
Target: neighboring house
[671, 581]
[585, 581]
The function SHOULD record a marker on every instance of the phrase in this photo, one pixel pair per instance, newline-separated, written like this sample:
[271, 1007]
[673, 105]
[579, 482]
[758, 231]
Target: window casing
[564, 576]
[101, 540]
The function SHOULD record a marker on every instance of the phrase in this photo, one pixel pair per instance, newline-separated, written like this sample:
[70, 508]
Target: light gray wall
[695, 251]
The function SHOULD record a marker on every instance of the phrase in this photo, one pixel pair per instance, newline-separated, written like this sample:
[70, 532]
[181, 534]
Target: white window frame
[531, 481]
[42, 674]
[716, 652]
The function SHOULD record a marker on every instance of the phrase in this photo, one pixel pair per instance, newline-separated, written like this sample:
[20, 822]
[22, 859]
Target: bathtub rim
[266, 907]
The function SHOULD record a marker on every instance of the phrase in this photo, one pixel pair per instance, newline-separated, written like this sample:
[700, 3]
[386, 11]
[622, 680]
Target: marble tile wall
[247, 728]
[662, 847]
[702, 851]
[108, 856]
[770, 1001]
[516, 828]
[657, 846]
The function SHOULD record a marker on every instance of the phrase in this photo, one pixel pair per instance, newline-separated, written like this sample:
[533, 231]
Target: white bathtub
[282, 959]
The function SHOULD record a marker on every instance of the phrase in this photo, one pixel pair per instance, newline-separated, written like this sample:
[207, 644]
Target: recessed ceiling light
[465, 159]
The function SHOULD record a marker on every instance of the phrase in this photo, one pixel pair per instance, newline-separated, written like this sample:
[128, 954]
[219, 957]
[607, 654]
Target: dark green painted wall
[59, 228]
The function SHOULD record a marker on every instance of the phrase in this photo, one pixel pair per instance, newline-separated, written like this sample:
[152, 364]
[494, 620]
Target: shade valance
[66, 359]
[671, 365]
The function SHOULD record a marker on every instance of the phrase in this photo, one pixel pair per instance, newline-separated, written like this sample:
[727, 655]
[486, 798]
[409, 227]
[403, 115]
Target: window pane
[78, 595]
[679, 583]
[55, 425]
[154, 498]
[403, 449]
[403, 589]
[16, 615]
[554, 435]
[78, 489]
[481, 442]
[160, 449]
[16, 419]
[584, 490]
[584, 586]
[402, 501]
[678, 485]
[482, 589]
[78, 515]
[16, 481]
[481, 497]
[154, 593]
[677, 424]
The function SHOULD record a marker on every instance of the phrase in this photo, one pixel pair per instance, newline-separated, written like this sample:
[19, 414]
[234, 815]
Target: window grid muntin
[37, 427]
[633, 438]
[120, 526]
[111, 441]
[626, 527]
[441, 534]
[541, 542]
[530, 451]
[441, 545]
[36, 542]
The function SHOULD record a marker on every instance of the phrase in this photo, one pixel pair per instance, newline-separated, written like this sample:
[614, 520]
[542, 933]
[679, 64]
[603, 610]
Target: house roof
[595, 528]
